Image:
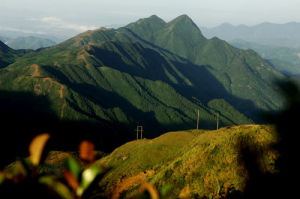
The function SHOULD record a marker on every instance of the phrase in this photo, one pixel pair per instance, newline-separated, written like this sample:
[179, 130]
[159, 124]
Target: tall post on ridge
[218, 118]
[139, 132]
[198, 115]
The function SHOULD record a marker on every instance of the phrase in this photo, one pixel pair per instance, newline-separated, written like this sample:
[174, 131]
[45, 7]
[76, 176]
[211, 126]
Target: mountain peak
[182, 19]
[153, 19]
[184, 16]
[147, 25]
[187, 28]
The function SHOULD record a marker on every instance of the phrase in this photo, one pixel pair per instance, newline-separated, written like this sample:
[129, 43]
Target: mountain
[116, 76]
[149, 73]
[284, 59]
[223, 61]
[8, 55]
[203, 163]
[27, 42]
[284, 35]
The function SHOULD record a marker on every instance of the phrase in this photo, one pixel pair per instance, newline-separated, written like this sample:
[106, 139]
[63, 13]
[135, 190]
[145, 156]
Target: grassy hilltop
[194, 163]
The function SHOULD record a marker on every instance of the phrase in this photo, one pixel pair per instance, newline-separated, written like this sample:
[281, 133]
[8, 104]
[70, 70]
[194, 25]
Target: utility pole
[218, 118]
[198, 115]
[139, 131]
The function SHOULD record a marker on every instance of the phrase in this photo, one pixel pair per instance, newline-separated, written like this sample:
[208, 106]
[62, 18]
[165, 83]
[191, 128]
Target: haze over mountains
[150, 72]
[279, 44]
[284, 59]
[283, 35]
[29, 42]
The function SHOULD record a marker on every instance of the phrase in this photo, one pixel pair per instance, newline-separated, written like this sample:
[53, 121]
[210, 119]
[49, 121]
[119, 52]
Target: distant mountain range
[150, 72]
[283, 35]
[29, 42]
[284, 59]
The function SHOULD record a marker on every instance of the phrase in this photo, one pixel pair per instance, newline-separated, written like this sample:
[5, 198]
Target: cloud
[59, 23]
[54, 20]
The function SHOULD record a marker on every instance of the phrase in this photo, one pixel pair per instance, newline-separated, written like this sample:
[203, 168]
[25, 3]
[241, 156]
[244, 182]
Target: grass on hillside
[194, 163]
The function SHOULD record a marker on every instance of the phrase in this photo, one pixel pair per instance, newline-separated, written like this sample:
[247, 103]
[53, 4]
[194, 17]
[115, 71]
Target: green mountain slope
[243, 74]
[8, 55]
[116, 76]
[199, 163]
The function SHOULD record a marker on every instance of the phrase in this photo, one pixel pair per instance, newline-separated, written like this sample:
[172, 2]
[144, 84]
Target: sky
[72, 16]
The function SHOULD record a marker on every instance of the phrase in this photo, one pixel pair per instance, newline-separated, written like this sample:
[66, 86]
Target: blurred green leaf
[88, 176]
[2, 177]
[16, 170]
[74, 167]
[165, 190]
[57, 186]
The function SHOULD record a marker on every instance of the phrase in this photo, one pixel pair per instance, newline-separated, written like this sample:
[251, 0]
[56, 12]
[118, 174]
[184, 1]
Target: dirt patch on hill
[127, 183]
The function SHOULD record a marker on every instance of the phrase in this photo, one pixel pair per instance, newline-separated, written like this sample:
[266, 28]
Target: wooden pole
[142, 132]
[139, 132]
[198, 115]
[218, 116]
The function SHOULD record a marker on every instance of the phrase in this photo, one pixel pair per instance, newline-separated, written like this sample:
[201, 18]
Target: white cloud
[59, 23]
[51, 20]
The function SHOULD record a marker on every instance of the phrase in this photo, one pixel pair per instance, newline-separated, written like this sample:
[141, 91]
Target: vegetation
[185, 164]
[194, 163]
[8, 55]
[23, 178]
[102, 83]
[224, 62]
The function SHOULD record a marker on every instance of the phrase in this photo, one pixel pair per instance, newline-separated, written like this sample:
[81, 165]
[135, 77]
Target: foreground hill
[194, 163]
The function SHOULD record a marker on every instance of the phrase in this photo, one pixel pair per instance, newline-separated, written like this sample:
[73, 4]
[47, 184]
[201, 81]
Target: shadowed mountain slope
[8, 55]
[241, 72]
[156, 78]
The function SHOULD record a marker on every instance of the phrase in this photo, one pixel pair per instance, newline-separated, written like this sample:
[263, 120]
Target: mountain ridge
[201, 50]
[122, 77]
[278, 35]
